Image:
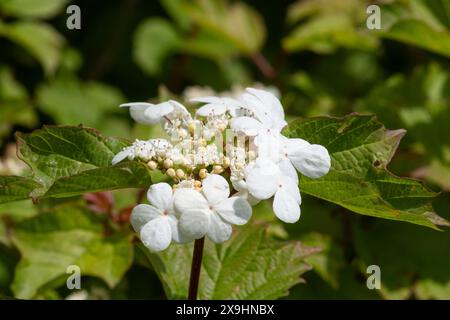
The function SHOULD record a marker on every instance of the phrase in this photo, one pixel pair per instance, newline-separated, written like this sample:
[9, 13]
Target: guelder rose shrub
[203, 179]
[235, 139]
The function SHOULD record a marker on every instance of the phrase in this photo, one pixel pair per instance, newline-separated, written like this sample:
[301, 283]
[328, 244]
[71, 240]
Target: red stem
[196, 268]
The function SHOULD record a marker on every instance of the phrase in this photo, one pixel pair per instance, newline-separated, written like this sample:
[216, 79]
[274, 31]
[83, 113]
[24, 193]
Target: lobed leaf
[361, 148]
[68, 161]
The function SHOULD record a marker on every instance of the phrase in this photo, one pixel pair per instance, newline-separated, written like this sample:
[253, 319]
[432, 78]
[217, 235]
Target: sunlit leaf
[154, 40]
[73, 160]
[361, 148]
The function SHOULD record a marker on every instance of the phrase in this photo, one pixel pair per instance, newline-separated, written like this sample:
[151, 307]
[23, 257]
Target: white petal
[259, 110]
[160, 195]
[186, 199]
[219, 231]
[211, 109]
[295, 144]
[313, 161]
[290, 186]
[247, 125]
[238, 184]
[120, 156]
[269, 99]
[262, 183]
[288, 169]
[155, 113]
[179, 107]
[215, 188]
[195, 223]
[142, 214]
[137, 111]
[266, 107]
[177, 235]
[234, 210]
[286, 208]
[156, 234]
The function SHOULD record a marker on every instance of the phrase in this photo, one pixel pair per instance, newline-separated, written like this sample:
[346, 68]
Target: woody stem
[196, 268]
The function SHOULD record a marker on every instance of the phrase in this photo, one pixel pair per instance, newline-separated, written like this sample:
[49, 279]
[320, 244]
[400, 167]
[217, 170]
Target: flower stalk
[196, 268]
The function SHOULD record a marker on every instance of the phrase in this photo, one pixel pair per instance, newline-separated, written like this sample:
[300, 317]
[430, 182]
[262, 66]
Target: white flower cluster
[237, 140]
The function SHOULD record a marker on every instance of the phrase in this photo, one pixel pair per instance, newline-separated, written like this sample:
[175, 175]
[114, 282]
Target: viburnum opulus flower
[227, 157]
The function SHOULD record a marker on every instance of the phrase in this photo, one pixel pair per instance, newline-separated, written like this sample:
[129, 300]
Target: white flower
[312, 160]
[143, 150]
[262, 111]
[215, 106]
[210, 212]
[240, 185]
[157, 224]
[148, 113]
[266, 179]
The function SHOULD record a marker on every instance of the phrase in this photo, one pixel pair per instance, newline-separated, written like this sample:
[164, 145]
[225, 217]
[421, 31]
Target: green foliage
[326, 26]
[31, 8]
[40, 39]
[421, 23]
[361, 148]
[13, 188]
[154, 40]
[248, 266]
[325, 62]
[69, 161]
[68, 235]
[409, 268]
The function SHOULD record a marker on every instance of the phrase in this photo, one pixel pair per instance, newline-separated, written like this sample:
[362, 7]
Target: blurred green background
[321, 59]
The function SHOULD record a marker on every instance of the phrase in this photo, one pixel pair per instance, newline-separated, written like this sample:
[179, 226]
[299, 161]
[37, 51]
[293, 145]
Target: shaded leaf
[68, 235]
[32, 8]
[40, 39]
[14, 188]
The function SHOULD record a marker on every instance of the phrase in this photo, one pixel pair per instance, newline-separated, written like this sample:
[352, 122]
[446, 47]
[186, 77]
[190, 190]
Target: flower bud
[152, 165]
[168, 163]
[179, 173]
[191, 127]
[171, 172]
[197, 184]
[226, 162]
[218, 169]
[203, 173]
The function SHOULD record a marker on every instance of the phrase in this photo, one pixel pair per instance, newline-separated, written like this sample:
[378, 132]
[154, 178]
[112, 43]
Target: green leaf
[153, 41]
[92, 104]
[414, 261]
[235, 23]
[15, 106]
[14, 188]
[361, 148]
[329, 261]
[418, 33]
[326, 26]
[32, 8]
[40, 39]
[68, 235]
[68, 161]
[248, 266]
